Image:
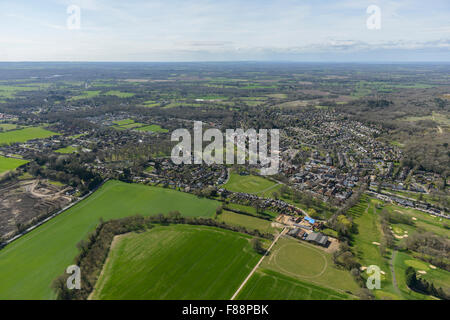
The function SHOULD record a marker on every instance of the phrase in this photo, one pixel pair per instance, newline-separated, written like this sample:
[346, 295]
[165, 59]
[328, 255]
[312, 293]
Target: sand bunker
[422, 272]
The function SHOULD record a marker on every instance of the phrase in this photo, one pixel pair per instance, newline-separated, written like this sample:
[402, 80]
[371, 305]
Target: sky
[226, 30]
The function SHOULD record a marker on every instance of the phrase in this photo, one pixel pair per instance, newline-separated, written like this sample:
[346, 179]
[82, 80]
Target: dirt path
[269, 188]
[257, 265]
[394, 279]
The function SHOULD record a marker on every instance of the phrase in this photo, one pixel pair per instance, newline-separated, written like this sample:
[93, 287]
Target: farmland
[176, 262]
[25, 134]
[30, 264]
[7, 164]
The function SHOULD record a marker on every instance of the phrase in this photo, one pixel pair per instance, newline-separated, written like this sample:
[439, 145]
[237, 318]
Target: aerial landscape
[93, 192]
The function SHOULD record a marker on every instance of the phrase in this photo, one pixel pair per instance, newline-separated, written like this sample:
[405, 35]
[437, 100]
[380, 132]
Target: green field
[269, 285]
[123, 122]
[67, 150]
[250, 184]
[119, 94]
[152, 128]
[9, 92]
[31, 263]
[251, 223]
[26, 134]
[177, 262]
[7, 126]
[86, 95]
[7, 164]
[306, 262]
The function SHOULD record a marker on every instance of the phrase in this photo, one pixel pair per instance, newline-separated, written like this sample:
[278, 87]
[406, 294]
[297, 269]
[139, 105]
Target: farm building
[317, 238]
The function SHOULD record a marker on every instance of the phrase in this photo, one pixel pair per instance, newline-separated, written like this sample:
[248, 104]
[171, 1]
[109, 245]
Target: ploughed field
[30, 264]
[176, 262]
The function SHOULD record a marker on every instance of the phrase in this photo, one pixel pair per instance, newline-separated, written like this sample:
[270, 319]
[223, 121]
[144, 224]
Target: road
[257, 265]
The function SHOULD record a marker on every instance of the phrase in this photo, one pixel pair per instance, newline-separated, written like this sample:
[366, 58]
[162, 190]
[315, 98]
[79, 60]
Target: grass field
[270, 285]
[250, 184]
[305, 262]
[123, 122]
[248, 222]
[152, 128]
[119, 94]
[26, 134]
[8, 126]
[67, 150]
[30, 264]
[87, 95]
[177, 262]
[7, 164]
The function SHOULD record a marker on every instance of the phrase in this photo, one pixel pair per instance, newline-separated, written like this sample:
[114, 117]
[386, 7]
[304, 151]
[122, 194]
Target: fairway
[176, 262]
[7, 164]
[250, 184]
[31, 263]
[26, 134]
[270, 285]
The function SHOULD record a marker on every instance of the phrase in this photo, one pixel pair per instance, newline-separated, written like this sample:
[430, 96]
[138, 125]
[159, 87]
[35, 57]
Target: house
[317, 238]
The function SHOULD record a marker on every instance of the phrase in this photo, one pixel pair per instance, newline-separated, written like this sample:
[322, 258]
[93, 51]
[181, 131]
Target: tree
[256, 245]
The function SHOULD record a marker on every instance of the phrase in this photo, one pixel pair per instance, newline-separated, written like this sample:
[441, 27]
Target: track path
[257, 265]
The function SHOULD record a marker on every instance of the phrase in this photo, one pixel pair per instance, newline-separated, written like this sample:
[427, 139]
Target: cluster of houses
[305, 228]
[186, 176]
[265, 203]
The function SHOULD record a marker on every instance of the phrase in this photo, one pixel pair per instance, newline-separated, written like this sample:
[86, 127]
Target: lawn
[26, 134]
[7, 164]
[29, 264]
[269, 285]
[306, 262]
[248, 222]
[250, 184]
[176, 262]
